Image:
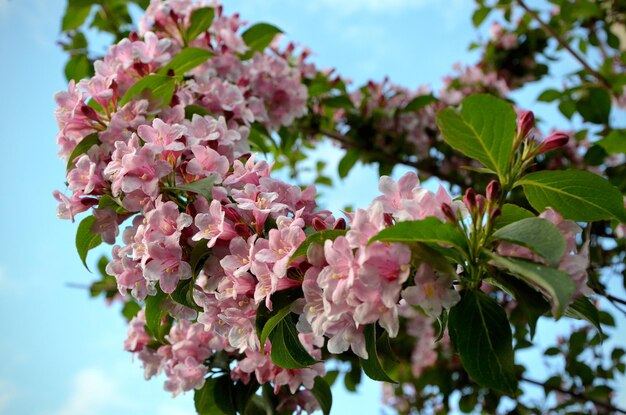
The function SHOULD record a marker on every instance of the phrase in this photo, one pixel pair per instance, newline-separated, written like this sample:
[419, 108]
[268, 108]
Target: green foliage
[537, 234]
[215, 397]
[484, 130]
[267, 320]
[429, 230]
[577, 195]
[81, 148]
[158, 88]
[321, 391]
[258, 37]
[86, 238]
[200, 22]
[372, 366]
[480, 333]
[155, 315]
[287, 351]
[185, 61]
[556, 285]
[202, 187]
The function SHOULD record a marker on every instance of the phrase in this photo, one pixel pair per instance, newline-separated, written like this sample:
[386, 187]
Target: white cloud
[95, 392]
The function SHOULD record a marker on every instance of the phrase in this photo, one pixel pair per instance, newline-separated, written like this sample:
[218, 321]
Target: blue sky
[62, 352]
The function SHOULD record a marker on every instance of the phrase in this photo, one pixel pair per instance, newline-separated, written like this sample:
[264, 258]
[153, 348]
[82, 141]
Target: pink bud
[552, 142]
[90, 113]
[340, 224]
[470, 199]
[319, 224]
[525, 123]
[495, 213]
[493, 190]
[448, 212]
[480, 203]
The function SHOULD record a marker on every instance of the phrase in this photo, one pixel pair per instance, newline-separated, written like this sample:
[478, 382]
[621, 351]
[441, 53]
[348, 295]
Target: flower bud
[480, 204]
[448, 212]
[242, 230]
[340, 224]
[552, 142]
[495, 213]
[493, 190]
[90, 113]
[469, 199]
[525, 123]
[319, 225]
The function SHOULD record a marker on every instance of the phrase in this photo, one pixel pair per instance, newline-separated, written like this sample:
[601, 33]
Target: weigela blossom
[226, 251]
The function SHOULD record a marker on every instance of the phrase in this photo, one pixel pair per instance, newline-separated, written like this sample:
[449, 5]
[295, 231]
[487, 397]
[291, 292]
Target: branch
[565, 45]
[381, 155]
[576, 395]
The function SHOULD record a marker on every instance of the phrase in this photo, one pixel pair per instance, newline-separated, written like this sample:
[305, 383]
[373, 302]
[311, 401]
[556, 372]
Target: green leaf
[215, 397]
[81, 148]
[531, 304]
[556, 285]
[484, 130]
[549, 95]
[577, 195]
[583, 309]
[537, 234]
[371, 366]
[258, 37]
[322, 393]
[182, 293]
[202, 187]
[86, 239]
[154, 313]
[426, 230]
[78, 67]
[353, 378]
[199, 255]
[510, 214]
[185, 61]
[480, 15]
[260, 139]
[614, 143]
[192, 109]
[317, 238]
[287, 351]
[338, 101]
[276, 317]
[594, 105]
[130, 310]
[160, 87]
[347, 162]
[419, 102]
[200, 21]
[75, 17]
[480, 332]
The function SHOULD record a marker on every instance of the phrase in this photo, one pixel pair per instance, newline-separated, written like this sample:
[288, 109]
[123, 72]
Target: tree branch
[576, 395]
[565, 45]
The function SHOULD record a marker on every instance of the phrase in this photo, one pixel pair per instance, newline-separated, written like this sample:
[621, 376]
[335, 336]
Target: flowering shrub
[234, 280]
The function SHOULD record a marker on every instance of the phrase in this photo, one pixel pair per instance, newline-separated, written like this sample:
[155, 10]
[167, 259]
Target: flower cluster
[211, 236]
[187, 183]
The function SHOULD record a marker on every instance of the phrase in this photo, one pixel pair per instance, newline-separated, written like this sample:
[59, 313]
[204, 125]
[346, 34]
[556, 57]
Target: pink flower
[162, 136]
[207, 161]
[166, 266]
[212, 225]
[431, 292]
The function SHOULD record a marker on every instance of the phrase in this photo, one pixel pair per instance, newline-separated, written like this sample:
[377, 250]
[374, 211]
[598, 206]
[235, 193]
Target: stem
[576, 395]
[565, 45]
